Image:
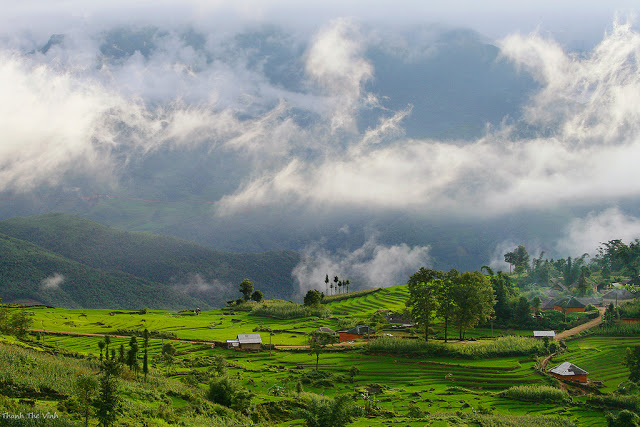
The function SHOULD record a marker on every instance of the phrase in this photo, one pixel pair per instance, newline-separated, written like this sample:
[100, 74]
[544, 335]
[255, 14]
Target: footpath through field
[580, 328]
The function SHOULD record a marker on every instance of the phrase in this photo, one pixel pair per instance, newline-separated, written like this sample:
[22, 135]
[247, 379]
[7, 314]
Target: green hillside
[25, 268]
[197, 273]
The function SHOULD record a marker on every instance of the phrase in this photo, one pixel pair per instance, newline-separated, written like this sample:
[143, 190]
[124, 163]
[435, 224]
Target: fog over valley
[370, 139]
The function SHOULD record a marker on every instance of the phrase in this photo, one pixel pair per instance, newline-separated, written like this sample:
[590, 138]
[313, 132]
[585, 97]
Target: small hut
[569, 372]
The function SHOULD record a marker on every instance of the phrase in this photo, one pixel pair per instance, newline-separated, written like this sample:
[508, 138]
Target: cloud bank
[369, 266]
[52, 282]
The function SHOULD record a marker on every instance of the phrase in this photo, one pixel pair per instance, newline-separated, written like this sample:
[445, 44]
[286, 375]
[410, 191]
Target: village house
[356, 332]
[569, 304]
[246, 342]
[569, 372]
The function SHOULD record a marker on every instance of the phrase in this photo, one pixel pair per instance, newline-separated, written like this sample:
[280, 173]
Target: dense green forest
[99, 266]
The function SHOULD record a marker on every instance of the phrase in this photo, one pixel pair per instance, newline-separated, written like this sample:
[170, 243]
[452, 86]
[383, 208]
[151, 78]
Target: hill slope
[161, 262]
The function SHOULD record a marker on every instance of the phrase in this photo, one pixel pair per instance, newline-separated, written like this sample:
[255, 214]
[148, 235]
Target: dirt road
[580, 328]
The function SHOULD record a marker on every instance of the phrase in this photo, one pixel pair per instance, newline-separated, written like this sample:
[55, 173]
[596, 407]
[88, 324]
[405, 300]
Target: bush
[227, 392]
[322, 411]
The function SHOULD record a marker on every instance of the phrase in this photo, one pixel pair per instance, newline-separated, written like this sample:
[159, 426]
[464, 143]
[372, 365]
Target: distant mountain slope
[30, 273]
[203, 274]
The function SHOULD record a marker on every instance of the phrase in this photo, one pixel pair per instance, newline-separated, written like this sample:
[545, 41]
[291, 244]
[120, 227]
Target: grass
[601, 356]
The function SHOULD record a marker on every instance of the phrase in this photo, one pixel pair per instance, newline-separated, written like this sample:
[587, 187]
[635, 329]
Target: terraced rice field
[602, 357]
[392, 298]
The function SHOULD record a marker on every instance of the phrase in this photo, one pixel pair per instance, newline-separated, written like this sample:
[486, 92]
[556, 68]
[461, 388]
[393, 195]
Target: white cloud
[371, 265]
[52, 282]
[335, 62]
[584, 235]
[588, 110]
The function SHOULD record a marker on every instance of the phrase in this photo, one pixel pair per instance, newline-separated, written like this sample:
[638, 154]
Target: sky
[71, 112]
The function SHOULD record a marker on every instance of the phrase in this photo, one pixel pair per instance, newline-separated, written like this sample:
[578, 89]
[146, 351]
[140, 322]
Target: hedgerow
[500, 347]
[536, 393]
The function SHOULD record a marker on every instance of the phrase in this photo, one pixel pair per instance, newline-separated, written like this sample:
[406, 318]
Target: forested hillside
[102, 266]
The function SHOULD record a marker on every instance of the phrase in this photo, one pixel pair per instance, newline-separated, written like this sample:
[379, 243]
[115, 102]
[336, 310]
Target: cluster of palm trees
[337, 287]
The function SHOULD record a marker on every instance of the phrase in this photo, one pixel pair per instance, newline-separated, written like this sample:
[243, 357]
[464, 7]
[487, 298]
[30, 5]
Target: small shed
[246, 342]
[356, 332]
[570, 372]
[542, 334]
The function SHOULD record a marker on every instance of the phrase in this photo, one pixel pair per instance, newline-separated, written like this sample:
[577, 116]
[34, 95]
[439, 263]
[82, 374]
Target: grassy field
[602, 357]
[407, 390]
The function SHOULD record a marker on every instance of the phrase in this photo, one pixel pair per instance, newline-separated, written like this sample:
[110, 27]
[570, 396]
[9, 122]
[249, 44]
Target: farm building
[570, 372]
[356, 332]
[618, 295]
[570, 304]
[246, 342]
[542, 334]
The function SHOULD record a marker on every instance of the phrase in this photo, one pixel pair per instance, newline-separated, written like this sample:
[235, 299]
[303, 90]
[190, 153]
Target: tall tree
[318, 342]
[246, 289]
[326, 283]
[313, 298]
[108, 399]
[86, 385]
[474, 298]
[101, 346]
[132, 355]
[423, 299]
[145, 360]
[632, 360]
[519, 259]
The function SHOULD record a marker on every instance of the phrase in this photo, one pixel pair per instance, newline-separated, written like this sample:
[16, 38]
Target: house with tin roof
[246, 342]
[569, 372]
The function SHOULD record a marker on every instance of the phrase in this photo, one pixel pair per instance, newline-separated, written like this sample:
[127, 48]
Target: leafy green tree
[423, 299]
[504, 291]
[318, 342]
[20, 323]
[519, 258]
[246, 289]
[327, 412]
[632, 361]
[624, 418]
[107, 341]
[228, 392]
[326, 282]
[108, 400]
[168, 352]
[473, 296]
[132, 355]
[86, 386]
[256, 296]
[447, 305]
[101, 345]
[523, 312]
[121, 354]
[582, 284]
[536, 303]
[145, 360]
[313, 298]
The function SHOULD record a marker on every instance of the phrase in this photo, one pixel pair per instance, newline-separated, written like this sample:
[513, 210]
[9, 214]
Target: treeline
[462, 300]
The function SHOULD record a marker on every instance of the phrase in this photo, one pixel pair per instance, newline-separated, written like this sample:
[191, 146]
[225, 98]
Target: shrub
[322, 411]
[227, 392]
